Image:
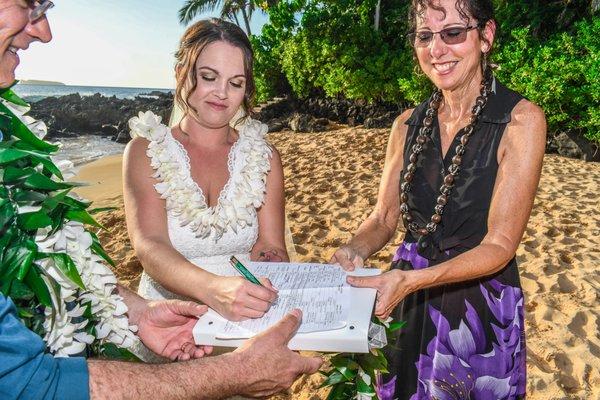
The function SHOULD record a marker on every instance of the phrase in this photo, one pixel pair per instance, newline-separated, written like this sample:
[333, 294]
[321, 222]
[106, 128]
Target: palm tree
[229, 10]
[377, 14]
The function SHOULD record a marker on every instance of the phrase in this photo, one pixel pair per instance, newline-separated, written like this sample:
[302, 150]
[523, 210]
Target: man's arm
[207, 378]
[26, 372]
[263, 366]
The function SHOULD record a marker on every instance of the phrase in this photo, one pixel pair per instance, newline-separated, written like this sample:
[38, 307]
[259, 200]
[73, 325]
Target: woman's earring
[484, 61]
[417, 70]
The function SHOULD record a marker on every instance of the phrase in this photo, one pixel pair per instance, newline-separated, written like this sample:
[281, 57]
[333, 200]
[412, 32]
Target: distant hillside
[36, 82]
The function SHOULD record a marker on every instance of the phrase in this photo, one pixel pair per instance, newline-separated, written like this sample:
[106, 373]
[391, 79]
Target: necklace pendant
[423, 242]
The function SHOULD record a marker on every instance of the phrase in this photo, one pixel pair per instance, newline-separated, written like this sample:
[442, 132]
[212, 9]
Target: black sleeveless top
[464, 223]
[451, 330]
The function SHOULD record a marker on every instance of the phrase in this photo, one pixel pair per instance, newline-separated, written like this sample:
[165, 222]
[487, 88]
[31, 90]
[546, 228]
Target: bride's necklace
[422, 138]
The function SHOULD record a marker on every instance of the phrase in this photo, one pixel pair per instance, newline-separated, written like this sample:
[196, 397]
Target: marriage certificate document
[335, 316]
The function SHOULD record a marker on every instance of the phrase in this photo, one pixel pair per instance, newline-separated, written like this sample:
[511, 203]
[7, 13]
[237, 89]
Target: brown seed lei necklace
[422, 138]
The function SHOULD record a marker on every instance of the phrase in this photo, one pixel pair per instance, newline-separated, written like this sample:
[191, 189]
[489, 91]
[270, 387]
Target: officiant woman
[461, 172]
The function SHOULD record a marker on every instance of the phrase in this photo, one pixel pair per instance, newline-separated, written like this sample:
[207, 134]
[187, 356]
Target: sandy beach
[331, 186]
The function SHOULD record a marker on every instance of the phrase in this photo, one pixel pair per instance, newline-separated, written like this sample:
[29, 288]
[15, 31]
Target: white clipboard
[350, 335]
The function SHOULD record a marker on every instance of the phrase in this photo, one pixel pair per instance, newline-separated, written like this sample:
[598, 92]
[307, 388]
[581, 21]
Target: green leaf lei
[51, 265]
[357, 376]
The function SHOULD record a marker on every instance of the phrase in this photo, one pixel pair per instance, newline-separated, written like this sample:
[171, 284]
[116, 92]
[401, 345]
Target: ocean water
[83, 149]
[33, 93]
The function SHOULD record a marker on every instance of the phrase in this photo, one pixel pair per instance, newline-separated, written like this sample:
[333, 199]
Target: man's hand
[165, 327]
[268, 365]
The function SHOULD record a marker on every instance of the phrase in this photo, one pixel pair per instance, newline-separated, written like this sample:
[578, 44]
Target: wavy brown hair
[480, 10]
[193, 42]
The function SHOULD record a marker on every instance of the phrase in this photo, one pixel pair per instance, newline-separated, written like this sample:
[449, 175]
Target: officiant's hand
[271, 366]
[348, 258]
[237, 299]
[392, 287]
[165, 327]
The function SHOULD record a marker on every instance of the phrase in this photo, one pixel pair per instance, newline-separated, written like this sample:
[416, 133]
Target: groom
[263, 366]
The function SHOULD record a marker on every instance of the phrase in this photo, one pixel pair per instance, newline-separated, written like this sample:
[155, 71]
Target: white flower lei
[63, 336]
[182, 195]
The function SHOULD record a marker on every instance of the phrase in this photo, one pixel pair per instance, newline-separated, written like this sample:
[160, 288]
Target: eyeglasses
[454, 35]
[39, 9]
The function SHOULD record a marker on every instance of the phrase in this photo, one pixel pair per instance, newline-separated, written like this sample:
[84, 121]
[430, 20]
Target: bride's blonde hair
[194, 40]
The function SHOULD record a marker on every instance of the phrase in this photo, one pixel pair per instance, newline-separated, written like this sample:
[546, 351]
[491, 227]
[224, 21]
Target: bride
[210, 186]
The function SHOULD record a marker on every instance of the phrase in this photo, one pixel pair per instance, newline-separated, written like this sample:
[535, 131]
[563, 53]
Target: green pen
[235, 263]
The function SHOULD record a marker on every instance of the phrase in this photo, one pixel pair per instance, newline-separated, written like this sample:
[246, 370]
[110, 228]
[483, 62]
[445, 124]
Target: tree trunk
[235, 17]
[246, 20]
[377, 14]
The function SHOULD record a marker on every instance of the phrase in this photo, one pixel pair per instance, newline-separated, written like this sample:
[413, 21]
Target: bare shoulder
[136, 149]
[275, 154]
[528, 113]
[527, 125]
[135, 158]
[526, 132]
[399, 128]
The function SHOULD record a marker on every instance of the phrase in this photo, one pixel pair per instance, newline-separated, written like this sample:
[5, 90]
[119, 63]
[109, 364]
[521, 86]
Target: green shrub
[331, 47]
[561, 75]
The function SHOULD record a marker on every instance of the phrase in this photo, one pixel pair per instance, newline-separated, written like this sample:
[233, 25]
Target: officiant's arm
[233, 297]
[520, 156]
[381, 224]
[270, 245]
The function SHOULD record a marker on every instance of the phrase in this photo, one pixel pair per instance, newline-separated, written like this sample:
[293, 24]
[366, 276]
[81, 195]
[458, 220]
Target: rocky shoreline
[75, 115]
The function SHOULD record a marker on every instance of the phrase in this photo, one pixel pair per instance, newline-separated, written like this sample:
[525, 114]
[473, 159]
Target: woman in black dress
[461, 170]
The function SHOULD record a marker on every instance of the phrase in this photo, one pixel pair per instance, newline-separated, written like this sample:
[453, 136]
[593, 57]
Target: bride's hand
[237, 299]
[348, 258]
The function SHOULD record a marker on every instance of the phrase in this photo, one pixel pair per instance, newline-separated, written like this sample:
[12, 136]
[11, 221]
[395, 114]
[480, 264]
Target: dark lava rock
[383, 121]
[278, 124]
[74, 115]
[307, 123]
[339, 110]
[122, 137]
[575, 146]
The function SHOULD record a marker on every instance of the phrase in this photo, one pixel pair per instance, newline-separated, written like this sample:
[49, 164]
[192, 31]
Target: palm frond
[230, 8]
[191, 8]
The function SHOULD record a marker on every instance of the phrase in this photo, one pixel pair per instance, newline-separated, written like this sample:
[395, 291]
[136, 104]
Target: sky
[127, 43]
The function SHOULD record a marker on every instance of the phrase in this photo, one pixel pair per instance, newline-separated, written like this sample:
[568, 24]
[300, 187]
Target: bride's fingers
[267, 283]
[256, 304]
[251, 313]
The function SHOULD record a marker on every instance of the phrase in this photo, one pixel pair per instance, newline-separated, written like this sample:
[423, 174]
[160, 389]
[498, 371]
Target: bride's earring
[238, 117]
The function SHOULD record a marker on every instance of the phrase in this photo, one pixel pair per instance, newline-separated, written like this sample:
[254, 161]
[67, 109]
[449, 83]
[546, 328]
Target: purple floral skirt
[461, 341]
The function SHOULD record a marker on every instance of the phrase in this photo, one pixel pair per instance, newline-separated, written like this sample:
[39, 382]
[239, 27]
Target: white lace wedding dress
[206, 236]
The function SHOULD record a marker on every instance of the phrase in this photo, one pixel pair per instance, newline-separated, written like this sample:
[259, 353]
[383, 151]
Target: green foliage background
[549, 51]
